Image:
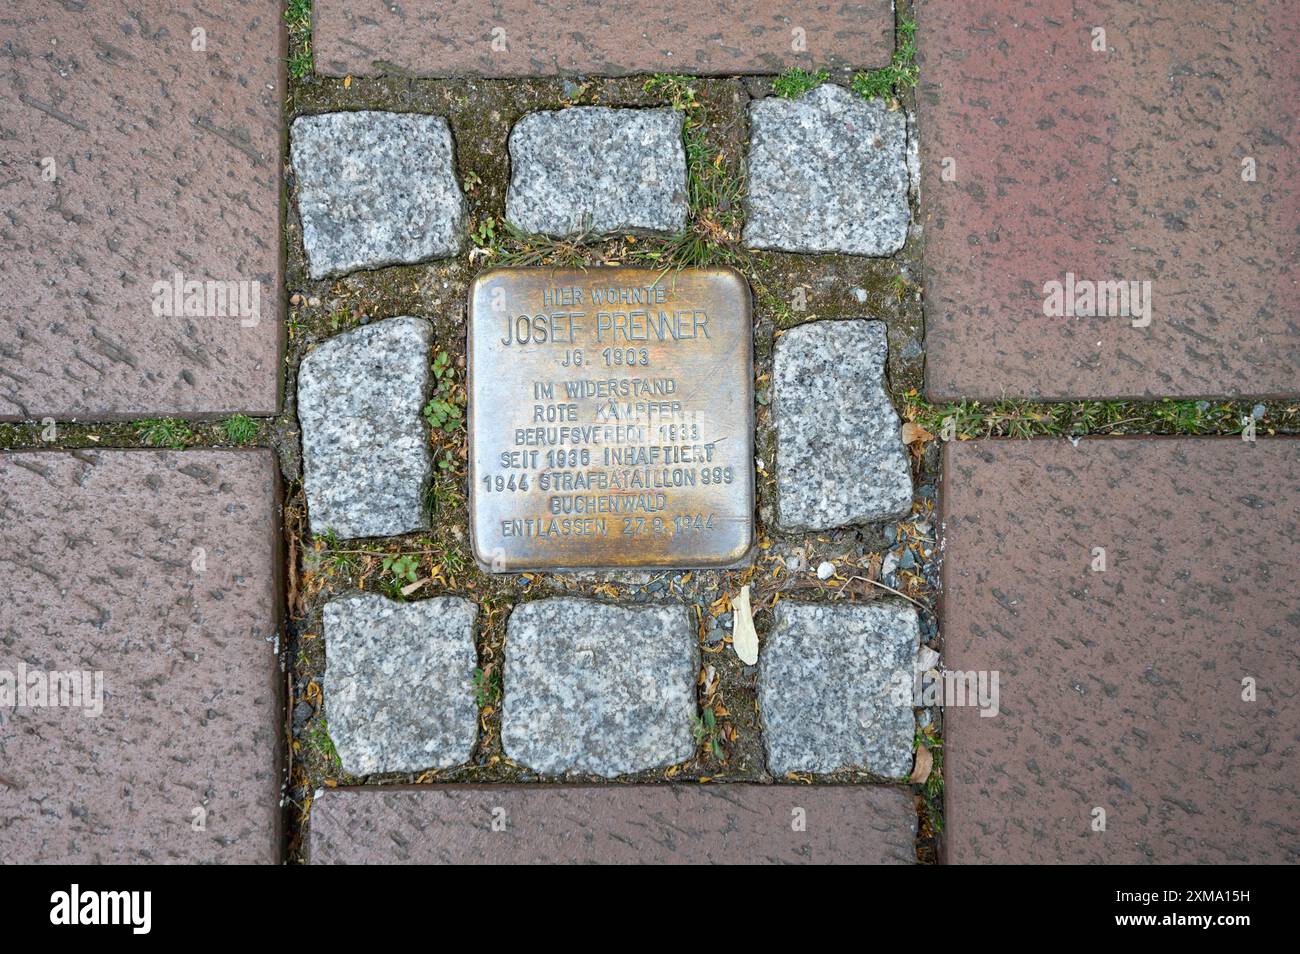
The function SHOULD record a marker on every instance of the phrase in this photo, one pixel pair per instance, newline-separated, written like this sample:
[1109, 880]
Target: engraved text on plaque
[610, 418]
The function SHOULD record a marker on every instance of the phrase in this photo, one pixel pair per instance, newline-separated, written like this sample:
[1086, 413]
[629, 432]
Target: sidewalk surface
[234, 466]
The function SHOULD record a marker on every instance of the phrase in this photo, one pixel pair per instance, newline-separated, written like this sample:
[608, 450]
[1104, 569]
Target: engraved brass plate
[610, 418]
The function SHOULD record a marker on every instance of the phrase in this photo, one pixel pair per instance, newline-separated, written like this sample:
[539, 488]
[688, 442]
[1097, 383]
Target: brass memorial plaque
[610, 418]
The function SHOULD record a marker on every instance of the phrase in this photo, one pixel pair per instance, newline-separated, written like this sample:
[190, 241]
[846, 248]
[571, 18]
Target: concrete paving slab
[1085, 142]
[140, 685]
[596, 37]
[614, 824]
[1137, 599]
[140, 246]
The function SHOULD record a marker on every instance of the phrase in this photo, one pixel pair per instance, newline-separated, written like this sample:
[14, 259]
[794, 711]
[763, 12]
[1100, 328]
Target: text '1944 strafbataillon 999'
[611, 418]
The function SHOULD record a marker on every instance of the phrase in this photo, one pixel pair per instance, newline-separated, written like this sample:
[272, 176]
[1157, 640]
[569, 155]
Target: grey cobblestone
[825, 687]
[840, 453]
[598, 169]
[399, 687]
[365, 447]
[827, 173]
[591, 687]
[375, 189]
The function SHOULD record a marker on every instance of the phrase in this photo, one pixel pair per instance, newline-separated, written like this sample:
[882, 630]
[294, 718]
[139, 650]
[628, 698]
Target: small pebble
[825, 570]
[1258, 411]
[891, 533]
[907, 561]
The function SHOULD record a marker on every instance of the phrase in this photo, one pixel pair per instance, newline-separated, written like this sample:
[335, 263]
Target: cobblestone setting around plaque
[592, 169]
[600, 689]
[827, 173]
[825, 688]
[365, 447]
[399, 687]
[462, 436]
[376, 189]
[840, 455]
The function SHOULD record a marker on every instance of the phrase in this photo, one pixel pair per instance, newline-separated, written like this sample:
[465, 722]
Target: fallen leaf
[924, 762]
[913, 432]
[410, 588]
[744, 639]
[710, 674]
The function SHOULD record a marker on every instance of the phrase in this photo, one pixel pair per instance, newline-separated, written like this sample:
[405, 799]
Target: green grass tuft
[487, 688]
[239, 429]
[164, 432]
[794, 82]
[901, 73]
[712, 233]
[321, 741]
[300, 62]
[970, 420]
[297, 14]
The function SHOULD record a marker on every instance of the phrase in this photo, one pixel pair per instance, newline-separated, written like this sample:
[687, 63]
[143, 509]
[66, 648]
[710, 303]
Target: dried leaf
[913, 432]
[744, 638]
[924, 762]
